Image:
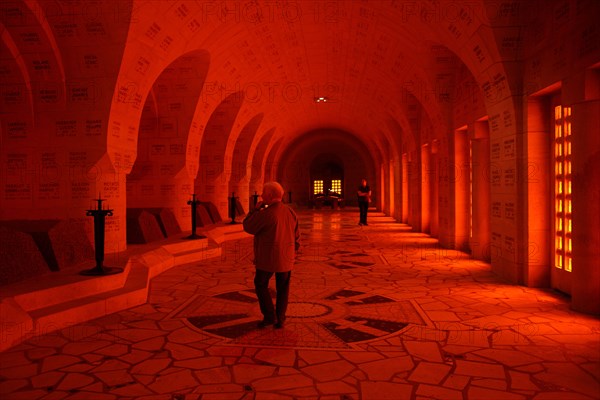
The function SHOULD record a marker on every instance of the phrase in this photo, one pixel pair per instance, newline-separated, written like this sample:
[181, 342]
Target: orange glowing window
[336, 186]
[470, 188]
[562, 189]
[317, 187]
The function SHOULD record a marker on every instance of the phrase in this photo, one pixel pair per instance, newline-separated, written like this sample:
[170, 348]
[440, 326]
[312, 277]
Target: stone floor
[377, 312]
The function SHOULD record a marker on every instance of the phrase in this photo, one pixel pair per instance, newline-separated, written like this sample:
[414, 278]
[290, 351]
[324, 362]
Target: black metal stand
[99, 229]
[289, 197]
[254, 200]
[232, 206]
[194, 204]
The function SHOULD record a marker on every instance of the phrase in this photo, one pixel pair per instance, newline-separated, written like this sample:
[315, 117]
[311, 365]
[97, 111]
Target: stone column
[480, 161]
[414, 189]
[214, 189]
[460, 168]
[538, 182]
[585, 293]
[405, 186]
[426, 188]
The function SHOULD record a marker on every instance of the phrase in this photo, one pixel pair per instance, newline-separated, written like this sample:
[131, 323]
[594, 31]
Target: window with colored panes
[563, 220]
[317, 187]
[336, 186]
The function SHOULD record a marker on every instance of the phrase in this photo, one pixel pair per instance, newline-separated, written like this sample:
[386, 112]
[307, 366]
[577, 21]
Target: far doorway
[327, 181]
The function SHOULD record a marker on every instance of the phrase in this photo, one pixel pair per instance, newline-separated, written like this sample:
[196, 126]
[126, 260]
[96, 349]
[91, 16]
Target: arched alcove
[212, 181]
[327, 168]
[344, 153]
[258, 158]
[159, 178]
[58, 81]
[241, 166]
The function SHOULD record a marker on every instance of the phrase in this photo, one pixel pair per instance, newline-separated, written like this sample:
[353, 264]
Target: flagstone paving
[376, 312]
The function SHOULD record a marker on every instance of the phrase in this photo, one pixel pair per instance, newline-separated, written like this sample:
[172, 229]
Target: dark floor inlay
[311, 258]
[379, 324]
[317, 318]
[235, 331]
[339, 252]
[348, 335]
[362, 264]
[343, 293]
[370, 300]
[202, 321]
[342, 266]
[238, 296]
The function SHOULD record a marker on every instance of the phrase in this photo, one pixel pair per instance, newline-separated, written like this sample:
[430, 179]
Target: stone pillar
[381, 189]
[242, 191]
[214, 189]
[538, 181]
[507, 197]
[414, 189]
[585, 289]
[445, 155]
[405, 186]
[426, 188]
[391, 188]
[480, 149]
[434, 185]
[460, 168]
[396, 171]
[110, 183]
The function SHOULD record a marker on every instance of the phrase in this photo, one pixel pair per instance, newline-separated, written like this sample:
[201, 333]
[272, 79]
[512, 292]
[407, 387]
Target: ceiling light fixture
[320, 99]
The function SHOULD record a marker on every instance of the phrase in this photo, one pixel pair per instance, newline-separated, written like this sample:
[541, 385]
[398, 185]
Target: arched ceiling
[382, 64]
[373, 60]
[359, 55]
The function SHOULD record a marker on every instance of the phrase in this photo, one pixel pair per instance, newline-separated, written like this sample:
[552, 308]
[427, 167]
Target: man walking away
[276, 241]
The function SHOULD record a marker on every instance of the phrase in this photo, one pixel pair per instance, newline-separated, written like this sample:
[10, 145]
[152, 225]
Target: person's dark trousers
[282, 283]
[363, 206]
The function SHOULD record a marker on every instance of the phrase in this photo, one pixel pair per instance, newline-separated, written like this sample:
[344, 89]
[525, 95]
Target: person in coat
[276, 241]
[364, 198]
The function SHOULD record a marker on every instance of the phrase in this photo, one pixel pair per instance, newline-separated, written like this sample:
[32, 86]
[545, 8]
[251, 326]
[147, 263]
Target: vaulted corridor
[135, 135]
[377, 312]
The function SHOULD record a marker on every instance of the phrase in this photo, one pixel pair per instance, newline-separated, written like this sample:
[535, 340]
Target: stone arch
[241, 166]
[35, 69]
[293, 164]
[269, 164]
[388, 175]
[258, 158]
[212, 181]
[68, 103]
[160, 177]
[403, 142]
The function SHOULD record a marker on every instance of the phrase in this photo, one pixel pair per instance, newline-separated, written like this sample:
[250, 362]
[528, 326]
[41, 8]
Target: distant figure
[276, 241]
[364, 198]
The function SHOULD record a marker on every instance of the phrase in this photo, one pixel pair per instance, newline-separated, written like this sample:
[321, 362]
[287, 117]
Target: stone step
[226, 232]
[60, 316]
[62, 288]
[186, 245]
[195, 256]
[69, 298]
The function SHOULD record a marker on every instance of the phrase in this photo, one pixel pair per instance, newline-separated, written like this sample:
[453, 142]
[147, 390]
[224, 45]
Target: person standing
[276, 241]
[364, 198]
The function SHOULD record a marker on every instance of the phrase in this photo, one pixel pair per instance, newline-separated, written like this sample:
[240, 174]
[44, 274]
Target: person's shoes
[264, 323]
[360, 223]
[278, 325]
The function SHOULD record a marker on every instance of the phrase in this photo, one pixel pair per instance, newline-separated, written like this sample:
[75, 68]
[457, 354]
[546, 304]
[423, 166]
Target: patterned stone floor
[376, 312]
